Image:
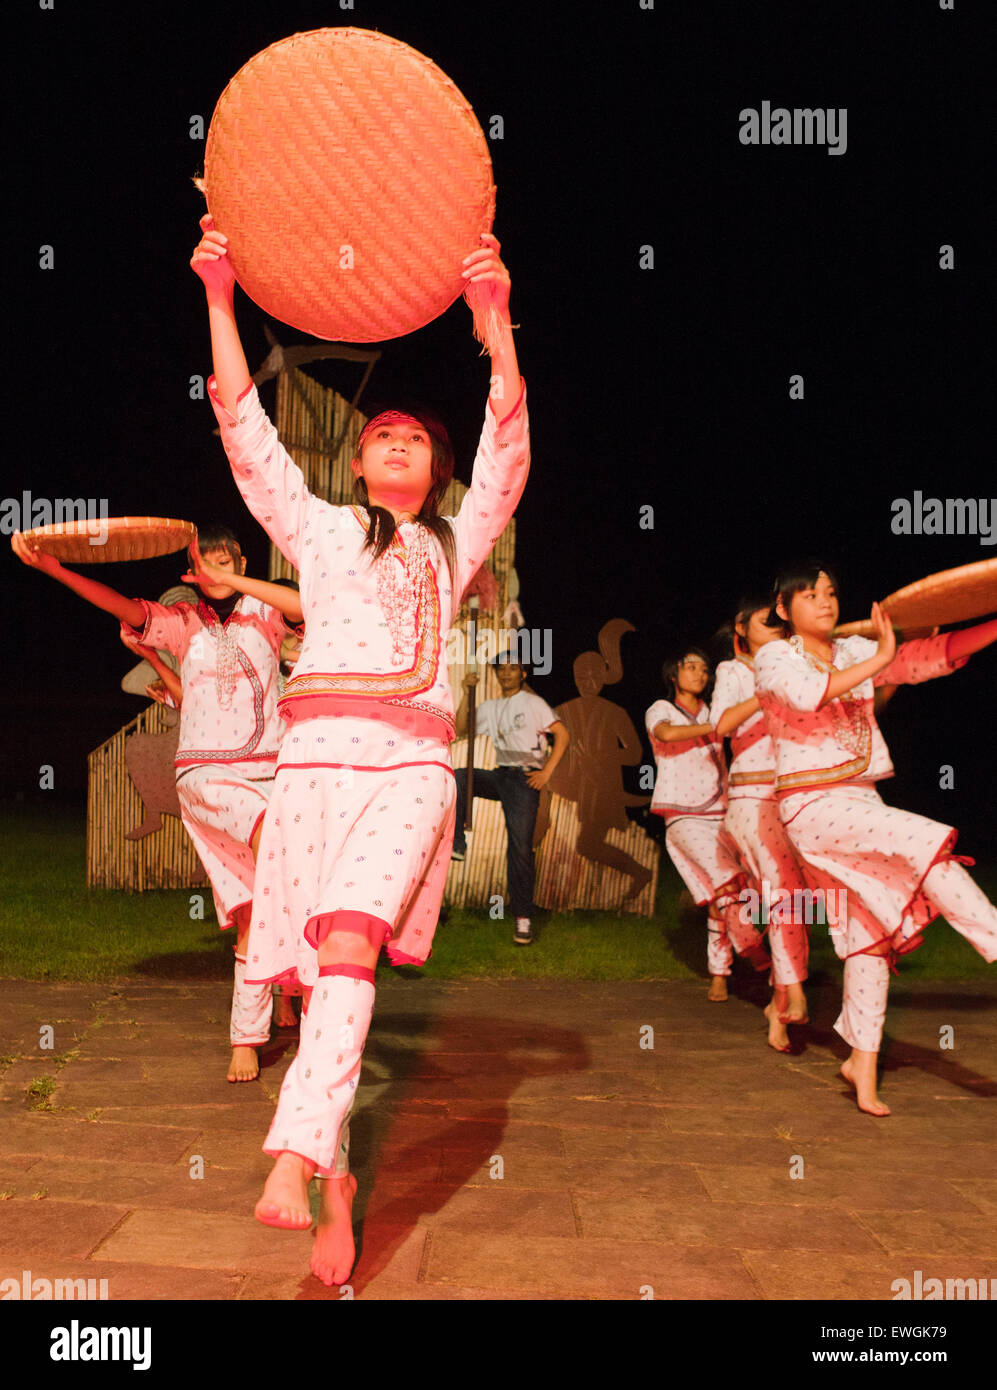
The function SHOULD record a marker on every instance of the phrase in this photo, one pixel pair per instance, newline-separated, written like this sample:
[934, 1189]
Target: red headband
[386, 417]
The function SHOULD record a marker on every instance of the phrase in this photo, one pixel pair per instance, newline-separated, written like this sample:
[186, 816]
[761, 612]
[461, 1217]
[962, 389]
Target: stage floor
[511, 1141]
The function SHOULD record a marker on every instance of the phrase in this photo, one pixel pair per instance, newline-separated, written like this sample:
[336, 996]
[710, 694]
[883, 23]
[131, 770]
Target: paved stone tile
[687, 1145]
[585, 1112]
[821, 1276]
[49, 1227]
[494, 1207]
[388, 1291]
[229, 1149]
[935, 1233]
[13, 1167]
[253, 1117]
[581, 1175]
[139, 1143]
[137, 1095]
[588, 1267]
[876, 1191]
[205, 1240]
[156, 1040]
[124, 1281]
[394, 1253]
[981, 1191]
[142, 1185]
[737, 1224]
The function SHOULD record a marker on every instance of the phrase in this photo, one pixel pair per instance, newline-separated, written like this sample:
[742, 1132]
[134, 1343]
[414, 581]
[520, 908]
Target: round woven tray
[127, 538]
[339, 144]
[951, 596]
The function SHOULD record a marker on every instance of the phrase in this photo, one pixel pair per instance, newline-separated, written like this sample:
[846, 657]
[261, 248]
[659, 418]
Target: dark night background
[664, 387]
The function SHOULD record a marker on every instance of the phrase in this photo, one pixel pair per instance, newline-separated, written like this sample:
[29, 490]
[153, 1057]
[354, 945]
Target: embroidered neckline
[849, 717]
[228, 660]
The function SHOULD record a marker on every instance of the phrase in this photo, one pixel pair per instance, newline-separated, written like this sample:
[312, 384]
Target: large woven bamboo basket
[351, 179]
[102, 540]
[951, 596]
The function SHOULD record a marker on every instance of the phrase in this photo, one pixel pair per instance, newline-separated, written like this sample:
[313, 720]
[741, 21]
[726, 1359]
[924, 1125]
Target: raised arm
[840, 681]
[271, 484]
[279, 596]
[968, 640]
[502, 462]
[489, 286]
[210, 261]
[126, 610]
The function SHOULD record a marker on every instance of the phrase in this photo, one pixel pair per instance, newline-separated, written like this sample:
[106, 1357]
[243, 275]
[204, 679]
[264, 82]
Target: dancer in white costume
[885, 873]
[753, 821]
[355, 853]
[690, 792]
[227, 648]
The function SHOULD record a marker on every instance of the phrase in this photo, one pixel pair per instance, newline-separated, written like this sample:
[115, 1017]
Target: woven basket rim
[290, 190]
[111, 538]
[971, 588]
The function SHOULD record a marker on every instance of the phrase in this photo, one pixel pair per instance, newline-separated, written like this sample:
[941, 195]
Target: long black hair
[381, 527]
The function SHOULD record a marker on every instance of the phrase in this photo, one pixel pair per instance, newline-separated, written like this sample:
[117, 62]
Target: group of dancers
[796, 821]
[324, 809]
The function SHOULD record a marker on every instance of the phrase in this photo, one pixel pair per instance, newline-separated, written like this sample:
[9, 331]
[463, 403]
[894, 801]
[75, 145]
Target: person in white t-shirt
[517, 724]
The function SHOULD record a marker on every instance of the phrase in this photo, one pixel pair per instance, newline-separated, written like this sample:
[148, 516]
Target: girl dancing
[355, 852]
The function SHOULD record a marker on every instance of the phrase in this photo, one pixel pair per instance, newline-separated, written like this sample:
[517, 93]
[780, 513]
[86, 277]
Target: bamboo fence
[163, 859]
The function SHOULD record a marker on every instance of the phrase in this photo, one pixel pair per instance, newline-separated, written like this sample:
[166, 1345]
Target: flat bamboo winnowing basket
[351, 179]
[105, 539]
[951, 596]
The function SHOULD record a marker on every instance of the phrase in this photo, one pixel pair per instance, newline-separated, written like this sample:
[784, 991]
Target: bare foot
[245, 1065]
[285, 1195]
[283, 1012]
[334, 1253]
[860, 1074]
[718, 990]
[795, 1010]
[778, 1037]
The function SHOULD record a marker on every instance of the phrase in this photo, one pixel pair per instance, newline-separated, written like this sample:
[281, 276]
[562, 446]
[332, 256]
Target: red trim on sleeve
[519, 401]
[213, 392]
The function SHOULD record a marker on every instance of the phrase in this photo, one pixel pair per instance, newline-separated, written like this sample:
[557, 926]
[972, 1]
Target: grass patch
[53, 928]
[40, 1091]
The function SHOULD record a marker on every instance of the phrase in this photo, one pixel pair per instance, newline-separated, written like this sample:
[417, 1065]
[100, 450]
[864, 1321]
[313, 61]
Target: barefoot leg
[794, 1008]
[719, 955]
[251, 1010]
[318, 1093]
[283, 1011]
[284, 1202]
[778, 1037]
[245, 1064]
[860, 1023]
[860, 1073]
[334, 1253]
